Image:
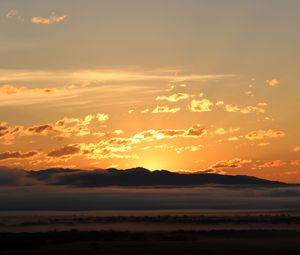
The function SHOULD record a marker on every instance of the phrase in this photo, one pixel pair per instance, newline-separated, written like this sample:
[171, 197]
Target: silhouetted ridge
[137, 170]
[140, 176]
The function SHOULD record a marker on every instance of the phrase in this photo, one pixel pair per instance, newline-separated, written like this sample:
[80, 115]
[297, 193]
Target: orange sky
[179, 85]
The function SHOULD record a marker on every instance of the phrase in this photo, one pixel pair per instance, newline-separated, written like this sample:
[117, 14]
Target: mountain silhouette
[140, 176]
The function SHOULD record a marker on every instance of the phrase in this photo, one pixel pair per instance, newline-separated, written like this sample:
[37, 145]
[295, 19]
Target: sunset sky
[182, 85]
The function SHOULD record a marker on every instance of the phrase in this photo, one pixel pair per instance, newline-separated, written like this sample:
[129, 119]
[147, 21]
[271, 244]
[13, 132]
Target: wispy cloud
[231, 163]
[259, 108]
[11, 13]
[261, 134]
[296, 148]
[106, 75]
[145, 111]
[173, 98]
[270, 164]
[272, 82]
[90, 84]
[11, 90]
[14, 15]
[222, 131]
[12, 95]
[53, 19]
[165, 109]
[178, 150]
[295, 162]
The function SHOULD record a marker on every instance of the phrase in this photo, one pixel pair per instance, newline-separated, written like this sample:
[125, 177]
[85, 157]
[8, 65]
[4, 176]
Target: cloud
[174, 98]
[8, 133]
[222, 131]
[232, 163]
[88, 76]
[9, 89]
[11, 13]
[165, 109]
[264, 144]
[212, 171]
[232, 108]
[72, 149]
[274, 163]
[195, 131]
[13, 95]
[118, 132]
[53, 19]
[12, 90]
[119, 147]
[258, 108]
[17, 155]
[150, 135]
[63, 128]
[102, 117]
[261, 134]
[14, 14]
[94, 86]
[110, 148]
[272, 82]
[220, 103]
[247, 109]
[248, 93]
[295, 162]
[296, 148]
[78, 126]
[40, 130]
[115, 147]
[178, 150]
[233, 139]
[203, 105]
[144, 111]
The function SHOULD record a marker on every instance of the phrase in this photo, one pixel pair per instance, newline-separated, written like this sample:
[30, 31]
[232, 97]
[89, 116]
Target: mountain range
[139, 177]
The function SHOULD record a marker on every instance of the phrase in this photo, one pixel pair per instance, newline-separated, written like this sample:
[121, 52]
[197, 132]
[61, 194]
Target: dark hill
[141, 177]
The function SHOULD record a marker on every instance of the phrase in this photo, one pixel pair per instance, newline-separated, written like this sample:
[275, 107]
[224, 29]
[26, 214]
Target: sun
[154, 161]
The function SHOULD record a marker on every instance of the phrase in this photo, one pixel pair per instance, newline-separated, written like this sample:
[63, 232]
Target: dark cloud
[65, 151]
[40, 129]
[8, 133]
[17, 154]
[196, 131]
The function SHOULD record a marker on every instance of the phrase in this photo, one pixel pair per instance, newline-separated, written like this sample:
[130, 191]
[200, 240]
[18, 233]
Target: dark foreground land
[150, 232]
[178, 242]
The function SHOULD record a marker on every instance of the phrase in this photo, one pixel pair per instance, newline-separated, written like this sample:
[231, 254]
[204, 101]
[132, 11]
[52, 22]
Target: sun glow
[154, 161]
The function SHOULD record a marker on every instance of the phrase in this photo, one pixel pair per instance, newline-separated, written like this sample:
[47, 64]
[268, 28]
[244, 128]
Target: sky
[182, 85]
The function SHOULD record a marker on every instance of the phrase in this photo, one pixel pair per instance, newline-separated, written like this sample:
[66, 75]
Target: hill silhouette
[140, 176]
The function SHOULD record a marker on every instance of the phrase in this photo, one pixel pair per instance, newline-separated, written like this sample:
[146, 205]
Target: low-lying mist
[119, 198]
